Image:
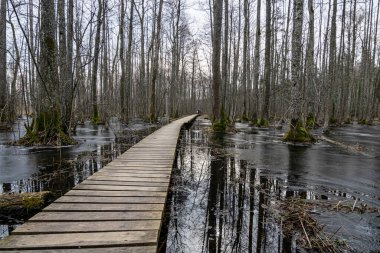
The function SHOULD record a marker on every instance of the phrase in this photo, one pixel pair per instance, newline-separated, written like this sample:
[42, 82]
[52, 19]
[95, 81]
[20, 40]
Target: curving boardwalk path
[118, 209]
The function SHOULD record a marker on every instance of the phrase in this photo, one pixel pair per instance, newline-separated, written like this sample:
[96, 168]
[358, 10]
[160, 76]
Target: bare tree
[256, 62]
[245, 57]
[129, 71]
[122, 62]
[216, 50]
[3, 61]
[332, 67]
[297, 132]
[94, 75]
[157, 42]
[47, 126]
[309, 65]
[267, 66]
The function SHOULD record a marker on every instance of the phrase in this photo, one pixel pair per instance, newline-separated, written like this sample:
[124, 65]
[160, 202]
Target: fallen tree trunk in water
[357, 149]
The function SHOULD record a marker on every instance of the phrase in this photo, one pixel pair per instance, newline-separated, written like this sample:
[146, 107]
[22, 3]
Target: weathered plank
[95, 216]
[69, 207]
[85, 227]
[75, 240]
[132, 249]
[111, 200]
[116, 170]
[119, 188]
[138, 176]
[109, 181]
[115, 193]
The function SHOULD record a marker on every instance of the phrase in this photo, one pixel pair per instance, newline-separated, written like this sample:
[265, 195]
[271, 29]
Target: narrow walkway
[118, 209]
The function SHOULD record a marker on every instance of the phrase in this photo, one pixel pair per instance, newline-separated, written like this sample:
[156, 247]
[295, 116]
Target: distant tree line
[66, 61]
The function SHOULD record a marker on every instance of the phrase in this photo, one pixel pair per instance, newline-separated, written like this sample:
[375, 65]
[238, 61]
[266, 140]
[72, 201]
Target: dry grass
[296, 218]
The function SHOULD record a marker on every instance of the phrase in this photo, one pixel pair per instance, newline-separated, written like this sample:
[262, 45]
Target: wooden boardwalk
[118, 209]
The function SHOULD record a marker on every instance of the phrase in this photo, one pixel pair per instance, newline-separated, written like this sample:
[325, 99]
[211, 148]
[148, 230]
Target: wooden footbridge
[118, 209]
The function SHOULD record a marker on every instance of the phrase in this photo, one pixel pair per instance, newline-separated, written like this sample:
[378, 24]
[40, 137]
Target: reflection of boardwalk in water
[118, 209]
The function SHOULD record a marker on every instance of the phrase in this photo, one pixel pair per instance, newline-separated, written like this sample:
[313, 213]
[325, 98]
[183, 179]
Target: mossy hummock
[46, 129]
[298, 133]
[220, 125]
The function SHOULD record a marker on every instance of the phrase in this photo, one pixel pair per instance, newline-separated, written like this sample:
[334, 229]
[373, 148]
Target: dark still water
[24, 169]
[225, 185]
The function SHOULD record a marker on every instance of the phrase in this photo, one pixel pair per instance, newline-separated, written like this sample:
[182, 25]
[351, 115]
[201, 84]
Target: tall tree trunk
[47, 127]
[13, 98]
[157, 43]
[310, 73]
[129, 62]
[267, 66]
[216, 48]
[69, 67]
[297, 132]
[296, 103]
[63, 70]
[104, 96]
[332, 67]
[142, 89]
[122, 62]
[225, 76]
[245, 56]
[256, 63]
[94, 98]
[3, 61]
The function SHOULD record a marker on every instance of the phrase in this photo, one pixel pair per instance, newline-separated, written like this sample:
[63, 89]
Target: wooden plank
[85, 227]
[132, 177]
[95, 216]
[119, 188]
[115, 170]
[132, 249]
[75, 240]
[151, 156]
[70, 207]
[143, 162]
[120, 166]
[112, 200]
[115, 193]
[140, 164]
[125, 183]
[157, 176]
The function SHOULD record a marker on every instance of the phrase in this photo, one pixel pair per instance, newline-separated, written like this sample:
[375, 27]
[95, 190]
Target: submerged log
[18, 206]
[357, 149]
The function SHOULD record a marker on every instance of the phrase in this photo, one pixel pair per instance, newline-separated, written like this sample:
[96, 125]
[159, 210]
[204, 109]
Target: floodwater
[24, 169]
[225, 184]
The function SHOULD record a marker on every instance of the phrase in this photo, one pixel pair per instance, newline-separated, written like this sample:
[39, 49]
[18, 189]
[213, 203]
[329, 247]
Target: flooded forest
[284, 155]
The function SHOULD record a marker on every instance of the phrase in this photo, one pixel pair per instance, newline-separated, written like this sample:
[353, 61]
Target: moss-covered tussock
[298, 133]
[22, 205]
[46, 129]
[220, 125]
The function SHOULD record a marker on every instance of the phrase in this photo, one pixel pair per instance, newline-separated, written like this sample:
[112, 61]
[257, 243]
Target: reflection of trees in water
[62, 175]
[220, 203]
